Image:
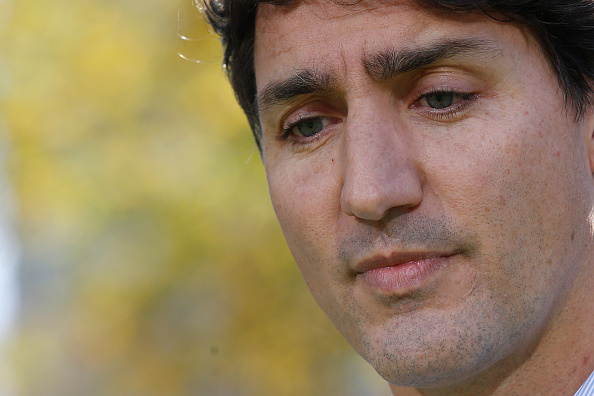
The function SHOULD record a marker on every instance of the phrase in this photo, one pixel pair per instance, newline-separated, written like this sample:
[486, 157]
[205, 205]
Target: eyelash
[286, 134]
[441, 114]
[446, 114]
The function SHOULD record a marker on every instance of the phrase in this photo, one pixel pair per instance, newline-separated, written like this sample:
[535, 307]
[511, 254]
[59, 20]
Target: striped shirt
[587, 388]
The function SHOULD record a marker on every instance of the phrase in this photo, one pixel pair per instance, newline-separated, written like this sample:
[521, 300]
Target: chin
[425, 356]
[436, 375]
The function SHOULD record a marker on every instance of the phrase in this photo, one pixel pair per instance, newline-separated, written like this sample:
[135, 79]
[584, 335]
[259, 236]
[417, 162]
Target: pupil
[310, 127]
[440, 100]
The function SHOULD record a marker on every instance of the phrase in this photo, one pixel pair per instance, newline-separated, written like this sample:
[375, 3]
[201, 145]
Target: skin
[499, 182]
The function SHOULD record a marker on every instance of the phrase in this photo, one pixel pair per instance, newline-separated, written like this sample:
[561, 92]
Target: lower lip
[403, 277]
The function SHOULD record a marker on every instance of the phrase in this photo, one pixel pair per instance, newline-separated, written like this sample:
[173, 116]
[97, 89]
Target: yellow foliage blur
[151, 261]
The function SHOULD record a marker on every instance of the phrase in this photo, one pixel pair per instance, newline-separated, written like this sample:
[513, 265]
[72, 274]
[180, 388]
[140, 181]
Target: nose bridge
[379, 164]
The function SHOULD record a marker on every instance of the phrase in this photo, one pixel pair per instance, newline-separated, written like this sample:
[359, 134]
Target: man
[431, 165]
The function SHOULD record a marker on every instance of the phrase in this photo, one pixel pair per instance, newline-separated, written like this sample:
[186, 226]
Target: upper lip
[397, 258]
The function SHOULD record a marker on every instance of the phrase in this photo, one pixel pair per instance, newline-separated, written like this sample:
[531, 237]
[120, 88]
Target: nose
[379, 171]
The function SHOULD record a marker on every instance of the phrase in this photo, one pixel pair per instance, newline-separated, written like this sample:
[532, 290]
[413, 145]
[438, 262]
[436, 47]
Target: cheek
[521, 192]
[306, 207]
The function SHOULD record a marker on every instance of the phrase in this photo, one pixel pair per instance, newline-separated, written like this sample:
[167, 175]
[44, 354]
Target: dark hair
[565, 29]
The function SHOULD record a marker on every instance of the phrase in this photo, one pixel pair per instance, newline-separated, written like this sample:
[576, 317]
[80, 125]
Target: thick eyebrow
[387, 64]
[303, 82]
[383, 65]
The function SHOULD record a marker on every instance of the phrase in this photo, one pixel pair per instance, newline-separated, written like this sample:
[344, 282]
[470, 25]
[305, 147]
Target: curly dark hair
[564, 28]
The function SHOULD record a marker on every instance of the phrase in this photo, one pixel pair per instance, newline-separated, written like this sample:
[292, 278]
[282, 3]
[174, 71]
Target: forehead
[325, 32]
[302, 17]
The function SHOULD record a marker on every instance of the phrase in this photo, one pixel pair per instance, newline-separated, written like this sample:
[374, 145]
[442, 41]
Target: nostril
[372, 198]
[367, 206]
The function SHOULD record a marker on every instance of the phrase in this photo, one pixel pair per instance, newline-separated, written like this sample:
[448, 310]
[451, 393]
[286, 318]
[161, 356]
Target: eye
[444, 104]
[442, 100]
[308, 127]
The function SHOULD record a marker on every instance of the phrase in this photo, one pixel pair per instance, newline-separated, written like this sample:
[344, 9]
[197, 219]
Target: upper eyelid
[288, 128]
[310, 109]
[288, 125]
[464, 94]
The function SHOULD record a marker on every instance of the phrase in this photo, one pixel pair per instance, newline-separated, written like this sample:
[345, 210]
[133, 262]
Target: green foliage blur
[151, 260]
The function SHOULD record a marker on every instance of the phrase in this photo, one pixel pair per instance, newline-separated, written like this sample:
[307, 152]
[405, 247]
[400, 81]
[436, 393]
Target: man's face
[430, 183]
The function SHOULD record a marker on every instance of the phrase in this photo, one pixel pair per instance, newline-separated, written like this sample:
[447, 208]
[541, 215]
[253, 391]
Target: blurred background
[139, 253]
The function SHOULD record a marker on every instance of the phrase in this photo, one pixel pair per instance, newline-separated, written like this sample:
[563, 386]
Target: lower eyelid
[449, 113]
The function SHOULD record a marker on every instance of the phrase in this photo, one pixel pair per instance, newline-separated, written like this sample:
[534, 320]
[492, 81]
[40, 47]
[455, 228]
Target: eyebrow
[387, 64]
[302, 82]
[381, 66]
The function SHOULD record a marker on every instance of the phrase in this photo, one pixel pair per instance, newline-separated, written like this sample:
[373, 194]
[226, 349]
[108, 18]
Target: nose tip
[364, 207]
[370, 194]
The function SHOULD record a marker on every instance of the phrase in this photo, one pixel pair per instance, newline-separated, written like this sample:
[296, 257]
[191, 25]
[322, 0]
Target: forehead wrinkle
[388, 63]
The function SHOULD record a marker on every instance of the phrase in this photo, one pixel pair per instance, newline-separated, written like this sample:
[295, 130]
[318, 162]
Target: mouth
[400, 273]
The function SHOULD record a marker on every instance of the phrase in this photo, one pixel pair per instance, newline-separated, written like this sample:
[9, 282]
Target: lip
[400, 272]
